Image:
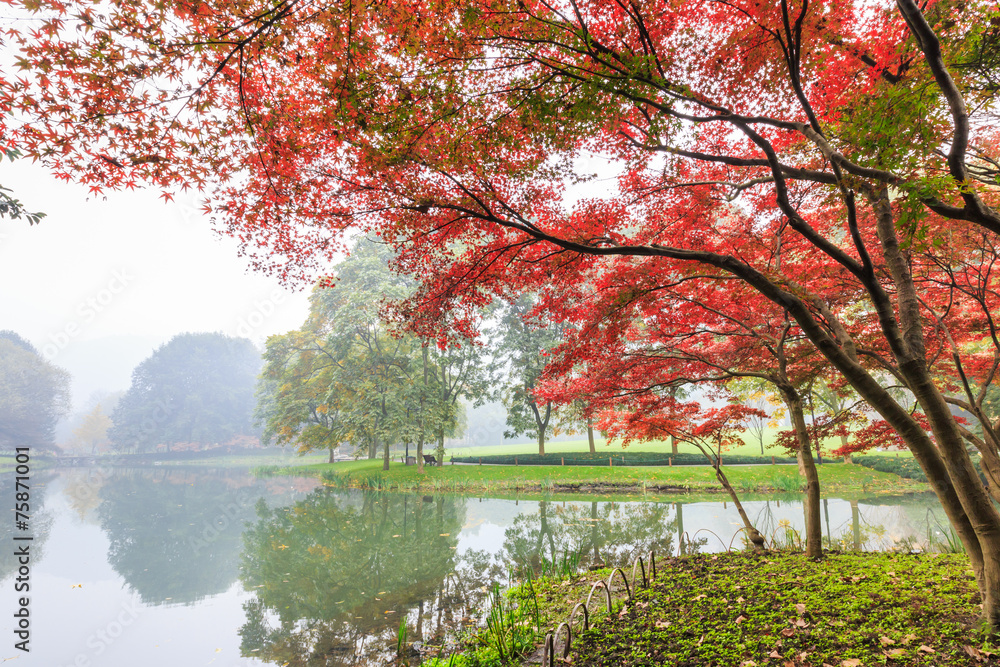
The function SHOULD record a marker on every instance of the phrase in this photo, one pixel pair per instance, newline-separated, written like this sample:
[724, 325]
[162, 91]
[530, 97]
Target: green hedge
[623, 459]
[904, 466]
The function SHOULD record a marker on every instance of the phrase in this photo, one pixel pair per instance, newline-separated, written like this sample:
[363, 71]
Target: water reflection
[337, 572]
[215, 565]
[40, 524]
[175, 535]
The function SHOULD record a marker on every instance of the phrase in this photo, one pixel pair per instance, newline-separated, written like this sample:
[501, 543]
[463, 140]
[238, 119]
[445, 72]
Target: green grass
[777, 609]
[499, 479]
[576, 446]
[782, 608]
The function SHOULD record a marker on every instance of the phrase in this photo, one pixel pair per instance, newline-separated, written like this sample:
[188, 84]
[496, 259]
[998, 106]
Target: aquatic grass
[505, 631]
[401, 638]
[567, 567]
[786, 483]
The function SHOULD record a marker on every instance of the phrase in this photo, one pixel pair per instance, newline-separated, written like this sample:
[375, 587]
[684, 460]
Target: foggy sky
[124, 273]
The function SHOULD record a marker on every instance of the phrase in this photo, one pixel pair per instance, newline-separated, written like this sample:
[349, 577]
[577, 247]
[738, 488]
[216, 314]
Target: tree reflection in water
[336, 573]
[174, 534]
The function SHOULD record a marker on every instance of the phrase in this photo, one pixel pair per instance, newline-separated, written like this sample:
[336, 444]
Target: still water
[168, 567]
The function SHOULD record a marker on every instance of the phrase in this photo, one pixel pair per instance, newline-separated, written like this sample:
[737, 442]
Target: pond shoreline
[640, 480]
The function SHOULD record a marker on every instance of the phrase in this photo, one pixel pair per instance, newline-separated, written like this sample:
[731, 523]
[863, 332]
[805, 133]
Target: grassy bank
[850, 610]
[568, 479]
[750, 447]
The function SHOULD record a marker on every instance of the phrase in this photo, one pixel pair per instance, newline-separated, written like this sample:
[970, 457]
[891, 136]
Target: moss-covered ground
[834, 477]
[744, 610]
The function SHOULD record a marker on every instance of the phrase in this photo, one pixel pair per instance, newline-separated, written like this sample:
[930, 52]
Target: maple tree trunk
[331, 454]
[843, 443]
[420, 453]
[945, 460]
[990, 463]
[673, 444]
[385, 455]
[814, 527]
[753, 534]
[590, 437]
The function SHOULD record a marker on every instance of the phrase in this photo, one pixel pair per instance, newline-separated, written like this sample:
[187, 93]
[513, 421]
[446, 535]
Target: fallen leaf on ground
[885, 641]
[800, 608]
[774, 654]
[801, 623]
[973, 652]
[850, 662]
[788, 632]
[909, 638]
[740, 619]
[926, 649]
[663, 624]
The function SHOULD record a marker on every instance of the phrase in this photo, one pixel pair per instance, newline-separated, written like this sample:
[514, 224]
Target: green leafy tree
[197, 388]
[348, 376]
[34, 395]
[519, 347]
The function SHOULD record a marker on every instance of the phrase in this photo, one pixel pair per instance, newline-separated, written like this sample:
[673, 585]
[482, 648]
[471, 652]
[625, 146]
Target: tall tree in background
[196, 388]
[34, 395]
[520, 347]
[92, 434]
[295, 403]
[349, 376]
[860, 141]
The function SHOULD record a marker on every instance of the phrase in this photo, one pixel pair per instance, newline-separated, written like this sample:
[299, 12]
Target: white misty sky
[127, 264]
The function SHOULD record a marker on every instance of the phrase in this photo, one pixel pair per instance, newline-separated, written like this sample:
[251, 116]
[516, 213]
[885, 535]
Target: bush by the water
[624, 459]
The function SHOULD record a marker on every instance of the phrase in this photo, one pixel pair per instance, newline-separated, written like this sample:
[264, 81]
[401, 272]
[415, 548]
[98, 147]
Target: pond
[180, 566]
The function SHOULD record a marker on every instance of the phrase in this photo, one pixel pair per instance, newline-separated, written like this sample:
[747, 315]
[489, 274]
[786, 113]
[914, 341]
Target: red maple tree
[837, 159]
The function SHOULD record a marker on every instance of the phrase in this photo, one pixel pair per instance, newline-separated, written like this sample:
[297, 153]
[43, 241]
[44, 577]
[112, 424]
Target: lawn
[486, 478]
[851, 610]
[573, 446]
